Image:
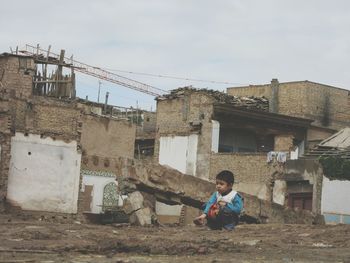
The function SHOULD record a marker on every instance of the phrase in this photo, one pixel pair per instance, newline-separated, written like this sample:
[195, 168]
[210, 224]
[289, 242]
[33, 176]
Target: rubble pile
[255, 103]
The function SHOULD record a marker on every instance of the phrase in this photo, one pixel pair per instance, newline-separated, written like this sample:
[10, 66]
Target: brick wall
[283, 143]
[315, 135]
[184, 116]
[328, 106]
[149, 121]
[247, 167]
[253, 175]
[16, 75]
[174, 116]
[46, 116]
[252, 90]
[5, 144]
[56, 119]
[106, 137]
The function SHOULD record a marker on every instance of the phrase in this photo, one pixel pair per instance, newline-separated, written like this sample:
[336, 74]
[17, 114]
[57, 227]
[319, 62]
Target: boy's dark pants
[226, 219]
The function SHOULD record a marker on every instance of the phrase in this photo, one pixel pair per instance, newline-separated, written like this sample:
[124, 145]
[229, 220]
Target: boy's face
[223, 186]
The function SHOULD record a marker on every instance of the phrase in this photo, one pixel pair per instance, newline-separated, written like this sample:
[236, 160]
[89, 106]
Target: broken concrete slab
[172, 187]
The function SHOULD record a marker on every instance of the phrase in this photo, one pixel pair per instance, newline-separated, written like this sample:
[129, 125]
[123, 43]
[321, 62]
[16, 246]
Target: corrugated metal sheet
[339, 140]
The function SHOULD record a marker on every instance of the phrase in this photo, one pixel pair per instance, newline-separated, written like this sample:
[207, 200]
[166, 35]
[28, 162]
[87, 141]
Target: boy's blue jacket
[235, 205]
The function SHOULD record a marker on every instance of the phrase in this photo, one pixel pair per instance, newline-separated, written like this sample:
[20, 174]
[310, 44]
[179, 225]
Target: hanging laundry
[280, 157]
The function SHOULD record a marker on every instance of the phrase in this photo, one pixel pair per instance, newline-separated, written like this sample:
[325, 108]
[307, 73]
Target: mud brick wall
[105, 137]
[149, 121]
[310, 170]
[251, 90]
[16, 75]
[174, 116]
[5, 155]
[5, 149]
[328, 106]
[283, 143]
[47, 117]
[180, 117]
[247, 167]
[56, 119]
[252, 173]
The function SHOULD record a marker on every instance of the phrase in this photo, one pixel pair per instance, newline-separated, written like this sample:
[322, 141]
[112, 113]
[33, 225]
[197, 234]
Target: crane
[97, 72]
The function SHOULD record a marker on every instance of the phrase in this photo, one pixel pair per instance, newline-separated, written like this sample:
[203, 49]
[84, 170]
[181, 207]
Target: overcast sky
[236, 41]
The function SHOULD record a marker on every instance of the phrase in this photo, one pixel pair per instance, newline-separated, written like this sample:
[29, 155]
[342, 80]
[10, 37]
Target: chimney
[273, 102]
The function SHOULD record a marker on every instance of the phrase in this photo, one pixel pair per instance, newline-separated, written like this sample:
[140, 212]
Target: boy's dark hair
[226, 176]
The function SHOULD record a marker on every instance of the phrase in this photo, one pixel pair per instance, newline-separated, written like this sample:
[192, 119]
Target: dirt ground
[48, 240]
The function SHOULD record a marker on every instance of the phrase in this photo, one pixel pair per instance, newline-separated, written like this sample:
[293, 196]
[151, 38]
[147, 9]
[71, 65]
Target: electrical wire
[174, 77]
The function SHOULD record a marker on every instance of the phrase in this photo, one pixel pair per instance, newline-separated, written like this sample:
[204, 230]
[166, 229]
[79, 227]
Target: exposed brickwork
[5, 141]
[328, 106]
[105, 137]
[250, 170]
[48, 117]
[5, 144]
[184, 116]
[249, 167]
[61, 119]
[283, 143]
[149, 122]
[57, 119]
[16, 75]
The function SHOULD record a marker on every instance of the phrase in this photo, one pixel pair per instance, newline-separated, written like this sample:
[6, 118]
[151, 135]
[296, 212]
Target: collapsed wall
[172, 187]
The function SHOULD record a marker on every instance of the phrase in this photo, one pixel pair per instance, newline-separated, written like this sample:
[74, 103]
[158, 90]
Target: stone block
[133, 203]
[149, 200]
[141, 217]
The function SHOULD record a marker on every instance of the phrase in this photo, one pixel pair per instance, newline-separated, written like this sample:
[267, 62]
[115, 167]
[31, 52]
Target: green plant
[335, 167]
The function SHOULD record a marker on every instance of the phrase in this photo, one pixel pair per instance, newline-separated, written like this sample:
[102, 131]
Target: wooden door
[301, 201]
[87, 198]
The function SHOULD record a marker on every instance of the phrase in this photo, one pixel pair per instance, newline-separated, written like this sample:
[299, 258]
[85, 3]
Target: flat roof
[262, 115]
[290, 82]
[5, 54]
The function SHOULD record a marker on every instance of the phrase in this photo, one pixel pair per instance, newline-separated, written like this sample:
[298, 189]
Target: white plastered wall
[44, 174]
[169, 210]
[335, 197]
[259, 190]
[179, 152]
[279, 192]
[98, 183]
[215, 136]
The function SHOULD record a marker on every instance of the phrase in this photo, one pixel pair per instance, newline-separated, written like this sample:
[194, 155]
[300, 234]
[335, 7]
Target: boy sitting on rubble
[224, 206]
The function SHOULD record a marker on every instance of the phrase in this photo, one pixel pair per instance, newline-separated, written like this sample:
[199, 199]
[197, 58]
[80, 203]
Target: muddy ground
[48, 240]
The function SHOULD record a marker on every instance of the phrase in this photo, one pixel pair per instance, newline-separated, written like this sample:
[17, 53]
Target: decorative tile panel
[110, 196]
[98, 173]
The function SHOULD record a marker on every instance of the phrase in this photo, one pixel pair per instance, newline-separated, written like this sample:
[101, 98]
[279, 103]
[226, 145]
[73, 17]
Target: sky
[238, 42]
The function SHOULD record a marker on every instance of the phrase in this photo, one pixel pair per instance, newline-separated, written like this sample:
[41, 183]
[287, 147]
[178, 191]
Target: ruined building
[63, 154]
[47, 136]
[201, 132]
[327, 106]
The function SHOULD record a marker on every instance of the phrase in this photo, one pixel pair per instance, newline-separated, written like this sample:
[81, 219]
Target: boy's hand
[200, 219]
[222, 203]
